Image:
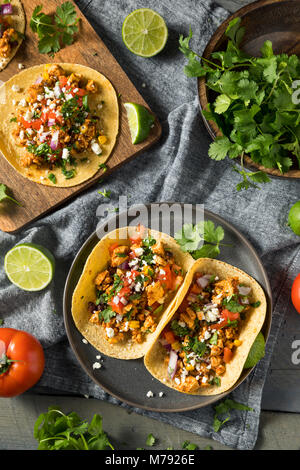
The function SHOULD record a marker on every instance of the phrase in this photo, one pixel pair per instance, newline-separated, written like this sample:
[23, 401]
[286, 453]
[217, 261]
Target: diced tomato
[79, 92]
[118, 308]
[124, 291]
[63, 80]
[166, 277]
[113, 247]
[226, 314]
[169, 336]
[227, 355]
[33, 124]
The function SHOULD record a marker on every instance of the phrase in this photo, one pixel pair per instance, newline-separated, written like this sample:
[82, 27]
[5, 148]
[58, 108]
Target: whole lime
[294, 218]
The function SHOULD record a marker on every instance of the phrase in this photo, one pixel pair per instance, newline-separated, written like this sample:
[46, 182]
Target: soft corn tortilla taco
[128, 286]
[12, 28]
[202, 345]
[60, 123]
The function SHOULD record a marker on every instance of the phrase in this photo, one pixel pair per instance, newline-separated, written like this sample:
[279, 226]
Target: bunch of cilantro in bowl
[254, 106]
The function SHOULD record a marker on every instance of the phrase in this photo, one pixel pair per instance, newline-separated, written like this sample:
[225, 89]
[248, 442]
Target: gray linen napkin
[175, 169]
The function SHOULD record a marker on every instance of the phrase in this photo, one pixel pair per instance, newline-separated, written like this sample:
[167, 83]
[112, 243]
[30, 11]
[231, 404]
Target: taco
[12, 28]
[203, 344]
[60, 123]
[128, 286]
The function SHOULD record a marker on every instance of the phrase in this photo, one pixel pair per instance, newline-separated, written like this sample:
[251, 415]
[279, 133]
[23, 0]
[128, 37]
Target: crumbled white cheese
[98, 357]
[23, 103]
[207, 334]
[138, 287]
[139, 251]
[28, 116]
[65, 154]
[183, 325]
[177, 381]
[133, 262]
[97, 365]
[212, 315]
[96, 148]
[15, 88]
[161, 394]
[149, 394]
[52, 106]
[40, 97]
[84, 341]
[21, 66]
[110, 332]
[204, 380]
[22, 134]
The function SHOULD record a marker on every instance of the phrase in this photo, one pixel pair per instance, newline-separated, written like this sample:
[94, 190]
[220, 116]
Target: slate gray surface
[176, 169]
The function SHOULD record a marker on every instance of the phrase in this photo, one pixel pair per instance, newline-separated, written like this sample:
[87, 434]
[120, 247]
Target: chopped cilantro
[150, 440]
[52, 178]
[222, 410]
[179, 330]
[232, 304]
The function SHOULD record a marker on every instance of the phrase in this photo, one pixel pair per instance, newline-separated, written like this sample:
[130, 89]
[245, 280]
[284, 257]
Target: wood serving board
[37, 199]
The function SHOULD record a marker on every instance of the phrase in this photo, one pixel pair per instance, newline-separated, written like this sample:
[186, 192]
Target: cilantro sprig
[56, 430]
[222, 412]
[4, 195]
[190, 237]
[54, 31]
[253, 106]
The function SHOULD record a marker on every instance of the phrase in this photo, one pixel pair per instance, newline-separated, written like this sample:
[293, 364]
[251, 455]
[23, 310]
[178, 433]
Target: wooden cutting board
[37, 199]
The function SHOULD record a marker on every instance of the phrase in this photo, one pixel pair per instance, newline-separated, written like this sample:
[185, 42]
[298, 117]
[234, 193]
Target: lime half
[294, 218]
[29, 266]
[144, 32]
[139, 120]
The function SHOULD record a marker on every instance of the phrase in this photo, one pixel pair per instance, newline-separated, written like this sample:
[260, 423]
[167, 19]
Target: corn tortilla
[155, 357]
[85, 292]
[18, 23]
[87, 162]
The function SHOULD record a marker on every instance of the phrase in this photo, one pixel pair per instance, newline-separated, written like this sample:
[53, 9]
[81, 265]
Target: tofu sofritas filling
[133, 291]
[55, 124]
[8, 37]
[203, 335]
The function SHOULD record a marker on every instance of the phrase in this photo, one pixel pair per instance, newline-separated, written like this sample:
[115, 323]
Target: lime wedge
[256, 352]
[144, 32]
[29, 266]
[139, 120]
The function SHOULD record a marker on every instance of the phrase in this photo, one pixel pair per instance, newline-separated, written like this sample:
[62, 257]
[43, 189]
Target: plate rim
[211, 127]
[210, 400]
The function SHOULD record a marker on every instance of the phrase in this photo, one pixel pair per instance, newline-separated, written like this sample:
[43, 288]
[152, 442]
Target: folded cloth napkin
[176, 169]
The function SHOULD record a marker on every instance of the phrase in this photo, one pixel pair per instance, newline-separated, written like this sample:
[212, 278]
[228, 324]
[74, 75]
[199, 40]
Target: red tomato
[167, 278]
[33, 124]
[226, 315]
[118, 308]
[295, 294]
[124, 291]
[227, 355]
[63, 80]
[23, 364]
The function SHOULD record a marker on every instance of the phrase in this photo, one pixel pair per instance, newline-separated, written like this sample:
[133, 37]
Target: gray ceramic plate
[129, 381]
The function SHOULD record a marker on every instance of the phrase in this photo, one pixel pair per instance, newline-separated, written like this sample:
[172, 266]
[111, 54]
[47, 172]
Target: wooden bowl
[278, 21]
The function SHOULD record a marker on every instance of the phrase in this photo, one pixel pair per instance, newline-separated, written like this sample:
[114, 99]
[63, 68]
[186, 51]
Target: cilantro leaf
[54, 30]
[222, 412]
[150, 440]
[190, 237]
[4, 195]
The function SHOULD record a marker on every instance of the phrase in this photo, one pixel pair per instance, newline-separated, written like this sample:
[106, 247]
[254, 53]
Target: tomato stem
[5, 363]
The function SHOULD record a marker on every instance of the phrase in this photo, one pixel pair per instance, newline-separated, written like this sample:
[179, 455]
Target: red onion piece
[203, 281]
[172, 366]
[192, 297]
[51, 122]
[124, 265]
[6, 9]
[38, 80]
[244, 290]
[54, 141]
